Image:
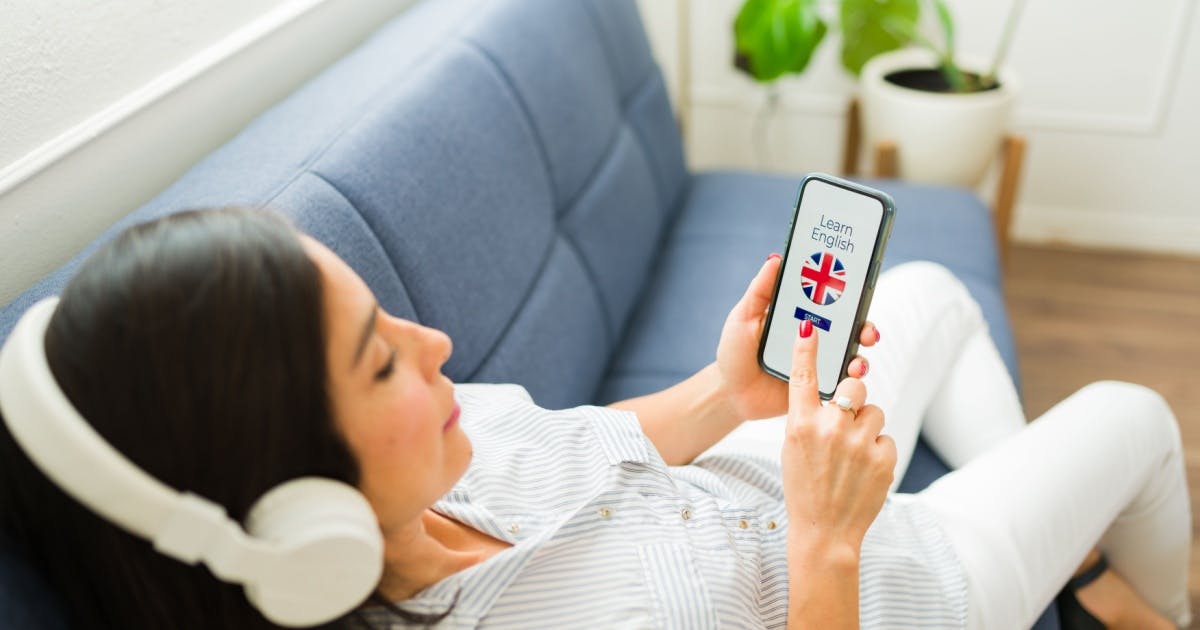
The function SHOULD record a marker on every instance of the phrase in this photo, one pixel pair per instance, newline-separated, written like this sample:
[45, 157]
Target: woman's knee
[923, 279]
[1140, 409]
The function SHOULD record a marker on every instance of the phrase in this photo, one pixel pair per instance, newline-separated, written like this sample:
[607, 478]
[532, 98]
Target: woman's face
[389, 397]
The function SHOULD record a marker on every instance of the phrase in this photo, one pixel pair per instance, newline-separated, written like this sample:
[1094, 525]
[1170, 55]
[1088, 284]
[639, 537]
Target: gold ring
[844, 403]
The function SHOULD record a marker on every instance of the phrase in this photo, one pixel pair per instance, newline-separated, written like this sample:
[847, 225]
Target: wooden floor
[1082, 316]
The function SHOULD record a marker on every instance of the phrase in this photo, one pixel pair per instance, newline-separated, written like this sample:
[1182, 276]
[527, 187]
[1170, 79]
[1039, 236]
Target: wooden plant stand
[886, 156]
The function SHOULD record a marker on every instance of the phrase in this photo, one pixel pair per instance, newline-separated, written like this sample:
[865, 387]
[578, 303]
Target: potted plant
[946, 113]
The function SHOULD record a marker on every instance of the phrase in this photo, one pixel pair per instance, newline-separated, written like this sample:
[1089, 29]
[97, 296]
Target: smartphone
[834, 248]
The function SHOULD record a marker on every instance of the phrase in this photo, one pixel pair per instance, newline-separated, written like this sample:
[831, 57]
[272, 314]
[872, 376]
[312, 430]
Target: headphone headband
[328, 523]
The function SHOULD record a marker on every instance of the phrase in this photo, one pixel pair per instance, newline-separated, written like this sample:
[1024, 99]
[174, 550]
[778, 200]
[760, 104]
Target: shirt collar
[478, 587]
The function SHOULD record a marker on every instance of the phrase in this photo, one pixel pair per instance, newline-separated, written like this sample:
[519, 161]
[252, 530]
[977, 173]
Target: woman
[224, 353]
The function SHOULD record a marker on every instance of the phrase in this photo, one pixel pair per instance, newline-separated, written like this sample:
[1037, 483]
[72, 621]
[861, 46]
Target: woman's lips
[453, 418]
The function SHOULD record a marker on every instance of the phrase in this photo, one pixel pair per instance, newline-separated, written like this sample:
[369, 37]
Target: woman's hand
[753, 393]
[836, 466]
[836, 473]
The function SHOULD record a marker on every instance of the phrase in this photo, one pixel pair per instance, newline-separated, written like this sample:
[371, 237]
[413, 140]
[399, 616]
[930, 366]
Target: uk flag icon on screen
[823, 278]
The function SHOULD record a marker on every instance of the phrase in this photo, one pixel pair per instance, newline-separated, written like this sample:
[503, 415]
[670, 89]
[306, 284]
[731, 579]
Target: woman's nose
[438, 348]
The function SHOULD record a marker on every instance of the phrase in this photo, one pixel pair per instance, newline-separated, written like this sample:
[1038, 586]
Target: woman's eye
[387, 368]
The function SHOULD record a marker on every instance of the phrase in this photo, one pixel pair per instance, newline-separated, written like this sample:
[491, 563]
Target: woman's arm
[822, 583]
[684, 420]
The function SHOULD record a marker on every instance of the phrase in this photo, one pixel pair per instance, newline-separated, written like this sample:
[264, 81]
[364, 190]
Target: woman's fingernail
[805, 328]
[866, 368]
[876, 335]
[773, 255]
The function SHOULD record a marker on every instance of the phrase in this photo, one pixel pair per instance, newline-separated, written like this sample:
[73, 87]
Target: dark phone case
[864, 302]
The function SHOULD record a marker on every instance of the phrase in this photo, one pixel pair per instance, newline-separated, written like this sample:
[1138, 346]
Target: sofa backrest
[501, 170]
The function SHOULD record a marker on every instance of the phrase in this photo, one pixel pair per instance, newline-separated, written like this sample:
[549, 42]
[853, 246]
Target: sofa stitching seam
[374, 233]
[358, 115]
[622, 98]
[503, 334]
[660, 179]
[543, 152]
[591, 276]
[593, 175]
[624, 101]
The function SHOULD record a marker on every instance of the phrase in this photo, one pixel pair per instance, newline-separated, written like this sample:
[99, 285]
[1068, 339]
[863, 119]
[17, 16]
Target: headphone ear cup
[329, 551]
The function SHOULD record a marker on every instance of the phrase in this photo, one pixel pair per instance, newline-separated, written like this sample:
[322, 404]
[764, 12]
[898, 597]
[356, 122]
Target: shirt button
[514, 528]
[743, 524]
[686, 513]
[771, 525]
[605, 512]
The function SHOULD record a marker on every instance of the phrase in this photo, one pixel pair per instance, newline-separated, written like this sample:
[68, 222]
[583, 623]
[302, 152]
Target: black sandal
[1071, 614]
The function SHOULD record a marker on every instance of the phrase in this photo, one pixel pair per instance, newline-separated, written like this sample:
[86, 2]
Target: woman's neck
[429, 550]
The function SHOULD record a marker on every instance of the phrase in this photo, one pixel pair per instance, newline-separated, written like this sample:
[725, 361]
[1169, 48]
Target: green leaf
[809, 36]
[774, 37]
[947, 22]
[871, 27]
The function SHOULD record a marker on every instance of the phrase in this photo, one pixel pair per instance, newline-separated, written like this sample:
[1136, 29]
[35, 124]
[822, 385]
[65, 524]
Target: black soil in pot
[930, 80]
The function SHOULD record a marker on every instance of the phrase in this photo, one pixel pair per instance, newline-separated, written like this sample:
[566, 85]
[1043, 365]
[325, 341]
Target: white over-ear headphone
[311, 551]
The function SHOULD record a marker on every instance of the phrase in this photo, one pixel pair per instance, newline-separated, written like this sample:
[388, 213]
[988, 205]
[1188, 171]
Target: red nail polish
[866, 368]
[805, 328]
[774, 256]
[876, 335]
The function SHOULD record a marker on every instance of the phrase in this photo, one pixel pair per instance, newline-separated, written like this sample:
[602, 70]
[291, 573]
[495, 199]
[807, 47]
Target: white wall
[1110, 106]
[103, 104]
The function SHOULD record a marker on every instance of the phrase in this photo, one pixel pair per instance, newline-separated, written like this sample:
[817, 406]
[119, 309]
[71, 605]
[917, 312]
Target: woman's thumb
[761, 290]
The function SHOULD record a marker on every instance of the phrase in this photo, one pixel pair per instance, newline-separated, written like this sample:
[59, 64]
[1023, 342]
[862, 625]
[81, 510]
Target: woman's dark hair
[195, 345]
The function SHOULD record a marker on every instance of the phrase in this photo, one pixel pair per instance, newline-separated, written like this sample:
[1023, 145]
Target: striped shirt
[606, 535]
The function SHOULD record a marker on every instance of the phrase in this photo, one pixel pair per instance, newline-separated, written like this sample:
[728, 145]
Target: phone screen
[824, 275]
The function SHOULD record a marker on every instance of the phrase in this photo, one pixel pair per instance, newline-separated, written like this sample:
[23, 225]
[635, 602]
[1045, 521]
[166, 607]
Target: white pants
[1026, 502]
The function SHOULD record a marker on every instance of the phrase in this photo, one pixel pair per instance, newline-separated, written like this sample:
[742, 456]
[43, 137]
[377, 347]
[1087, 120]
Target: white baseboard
[1157, 233]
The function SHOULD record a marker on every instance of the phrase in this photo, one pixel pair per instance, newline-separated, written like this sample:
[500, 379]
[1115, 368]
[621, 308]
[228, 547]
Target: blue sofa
[511, 172]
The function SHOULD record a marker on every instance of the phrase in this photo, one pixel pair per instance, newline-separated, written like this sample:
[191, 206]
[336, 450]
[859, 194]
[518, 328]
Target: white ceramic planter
[940, 138]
